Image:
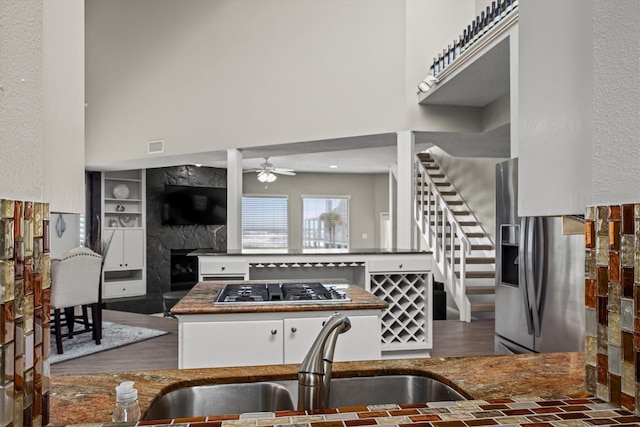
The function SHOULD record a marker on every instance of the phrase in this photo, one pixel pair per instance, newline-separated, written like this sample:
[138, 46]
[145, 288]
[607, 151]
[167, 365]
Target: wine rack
[404, 322]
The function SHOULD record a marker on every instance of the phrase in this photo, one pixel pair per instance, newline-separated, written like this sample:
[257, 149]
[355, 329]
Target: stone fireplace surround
[161, 240]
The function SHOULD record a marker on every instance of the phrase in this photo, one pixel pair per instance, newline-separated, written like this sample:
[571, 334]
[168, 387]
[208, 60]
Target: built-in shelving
[124, 232]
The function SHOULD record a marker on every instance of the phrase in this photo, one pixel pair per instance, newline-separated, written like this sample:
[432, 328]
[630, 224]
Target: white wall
[63, 105]
[616, 102]
[227, 73]
[555, 107]
[70, 238]
[475, 180]
[21, 100]
[365, 204]
[430, 27]
[42, 102]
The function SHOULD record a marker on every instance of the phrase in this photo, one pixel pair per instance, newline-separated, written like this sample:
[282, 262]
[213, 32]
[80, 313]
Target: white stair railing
[442, 232]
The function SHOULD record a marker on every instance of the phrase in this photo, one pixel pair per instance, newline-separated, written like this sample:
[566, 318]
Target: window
[326, 223]
[265, 223]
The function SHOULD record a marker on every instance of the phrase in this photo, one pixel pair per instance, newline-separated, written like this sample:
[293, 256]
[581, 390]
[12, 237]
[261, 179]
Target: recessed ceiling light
[198, 165]
[333, 166]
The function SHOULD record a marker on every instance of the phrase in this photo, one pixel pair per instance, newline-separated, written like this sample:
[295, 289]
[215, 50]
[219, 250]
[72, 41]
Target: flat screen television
[184, 205]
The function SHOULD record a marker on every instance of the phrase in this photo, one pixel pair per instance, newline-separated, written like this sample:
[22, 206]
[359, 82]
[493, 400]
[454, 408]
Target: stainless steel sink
[358, 391]
[218, 399]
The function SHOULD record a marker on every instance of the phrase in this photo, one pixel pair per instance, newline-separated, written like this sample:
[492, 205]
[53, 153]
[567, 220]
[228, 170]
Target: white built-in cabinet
[124, 233]
[406, 325]
[221, 340]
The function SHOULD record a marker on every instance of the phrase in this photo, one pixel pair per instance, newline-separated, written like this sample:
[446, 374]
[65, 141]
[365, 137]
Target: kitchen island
[402, 278]
[218, 334]
[515, 389]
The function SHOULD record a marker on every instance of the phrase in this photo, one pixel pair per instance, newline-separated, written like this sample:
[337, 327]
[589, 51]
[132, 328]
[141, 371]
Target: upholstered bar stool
[75, 282]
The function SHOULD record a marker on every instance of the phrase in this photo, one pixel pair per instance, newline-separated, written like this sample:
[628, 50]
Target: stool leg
[56, 322]
[70, 317]
[97, 322]
[85, 317]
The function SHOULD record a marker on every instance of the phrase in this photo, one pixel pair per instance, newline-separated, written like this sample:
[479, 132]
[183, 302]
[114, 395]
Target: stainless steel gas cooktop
[280, 292]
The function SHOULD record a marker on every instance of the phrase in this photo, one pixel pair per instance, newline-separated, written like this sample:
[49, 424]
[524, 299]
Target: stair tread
[442, 192]
[462, 223]
[478, 260]
[480, 290]
[479, 247]
[459, 213]
[468, 234]
[483, 306]
[478, 274]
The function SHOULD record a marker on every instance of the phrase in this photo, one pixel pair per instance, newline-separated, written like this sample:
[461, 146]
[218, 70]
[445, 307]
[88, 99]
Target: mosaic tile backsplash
[24, 313]
[612, 300]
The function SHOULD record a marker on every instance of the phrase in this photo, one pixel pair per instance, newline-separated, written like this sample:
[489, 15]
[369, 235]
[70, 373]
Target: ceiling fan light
[265, 176]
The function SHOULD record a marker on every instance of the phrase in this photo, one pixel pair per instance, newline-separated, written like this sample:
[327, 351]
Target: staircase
[462, 250]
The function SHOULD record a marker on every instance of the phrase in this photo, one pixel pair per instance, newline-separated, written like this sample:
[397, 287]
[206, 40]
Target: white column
[404, 192]
[234, 199]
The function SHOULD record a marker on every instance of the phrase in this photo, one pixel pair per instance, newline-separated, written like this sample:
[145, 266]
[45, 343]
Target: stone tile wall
[25, 298]
[612, 300]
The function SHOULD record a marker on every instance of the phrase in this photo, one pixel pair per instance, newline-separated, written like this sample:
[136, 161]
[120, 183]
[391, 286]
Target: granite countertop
[200, 299]
[530, 384]
[354, 251]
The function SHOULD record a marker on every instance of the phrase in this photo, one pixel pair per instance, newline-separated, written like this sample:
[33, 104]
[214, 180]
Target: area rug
[113, 335]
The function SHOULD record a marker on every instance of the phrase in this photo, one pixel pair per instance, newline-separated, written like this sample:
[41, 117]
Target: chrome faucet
[314, 376]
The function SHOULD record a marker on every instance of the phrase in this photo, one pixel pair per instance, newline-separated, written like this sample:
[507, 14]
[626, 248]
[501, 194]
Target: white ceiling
[363, 154]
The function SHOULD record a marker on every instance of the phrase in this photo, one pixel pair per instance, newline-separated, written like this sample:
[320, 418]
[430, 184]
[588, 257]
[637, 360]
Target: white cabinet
[230, 343]
[124, 233]
[355, 344]
[556, 121]
[271, 338]
[126, 249]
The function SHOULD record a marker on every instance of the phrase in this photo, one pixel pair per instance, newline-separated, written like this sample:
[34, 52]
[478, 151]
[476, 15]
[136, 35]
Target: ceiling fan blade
[284, 172]
[252, 170]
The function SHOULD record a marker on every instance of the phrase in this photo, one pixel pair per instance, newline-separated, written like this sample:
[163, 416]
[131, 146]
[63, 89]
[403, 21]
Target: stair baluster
[436, 222]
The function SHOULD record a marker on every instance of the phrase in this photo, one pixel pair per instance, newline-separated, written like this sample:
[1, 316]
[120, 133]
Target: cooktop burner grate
[276, 292]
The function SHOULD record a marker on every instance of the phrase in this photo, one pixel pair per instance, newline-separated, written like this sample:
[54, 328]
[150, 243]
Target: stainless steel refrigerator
[539, 277]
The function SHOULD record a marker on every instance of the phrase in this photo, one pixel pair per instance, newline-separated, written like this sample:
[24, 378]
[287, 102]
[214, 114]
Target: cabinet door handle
[294, 329]
[274, 331]
[222, 268]
[400, 266]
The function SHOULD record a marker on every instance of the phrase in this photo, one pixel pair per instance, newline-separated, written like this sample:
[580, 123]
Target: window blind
[265, 223]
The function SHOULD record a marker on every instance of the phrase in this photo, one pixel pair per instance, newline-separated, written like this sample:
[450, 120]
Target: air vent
[154, 147]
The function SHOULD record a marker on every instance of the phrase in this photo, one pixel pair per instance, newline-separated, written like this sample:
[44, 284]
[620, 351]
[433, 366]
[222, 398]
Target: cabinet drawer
[123, 289]
[400, 264]
[222, 267]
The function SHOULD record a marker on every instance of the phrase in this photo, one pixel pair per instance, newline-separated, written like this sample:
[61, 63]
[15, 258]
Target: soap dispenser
[127, 407]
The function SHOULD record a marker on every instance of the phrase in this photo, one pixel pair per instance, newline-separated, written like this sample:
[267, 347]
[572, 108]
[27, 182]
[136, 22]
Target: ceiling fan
[267, 171]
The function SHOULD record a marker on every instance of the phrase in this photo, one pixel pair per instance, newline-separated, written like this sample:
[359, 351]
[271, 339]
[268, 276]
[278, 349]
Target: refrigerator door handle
[540, 268]
[522, 272]
[534, 272]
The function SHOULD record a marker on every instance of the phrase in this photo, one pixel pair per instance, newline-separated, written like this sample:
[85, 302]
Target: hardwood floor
[155, 353]
[450, 338]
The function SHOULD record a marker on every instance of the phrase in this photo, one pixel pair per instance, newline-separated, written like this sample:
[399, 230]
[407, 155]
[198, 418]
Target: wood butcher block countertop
[200, 300]
[530, 386]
